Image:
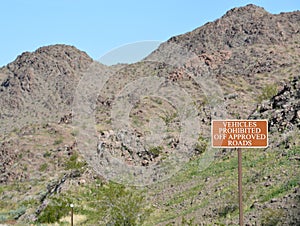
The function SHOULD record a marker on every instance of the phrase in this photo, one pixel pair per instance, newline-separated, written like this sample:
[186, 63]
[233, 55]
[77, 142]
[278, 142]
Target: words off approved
[239, 133]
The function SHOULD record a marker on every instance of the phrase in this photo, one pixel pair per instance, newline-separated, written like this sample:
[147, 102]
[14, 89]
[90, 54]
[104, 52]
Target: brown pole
[240, 186]
[72, 214]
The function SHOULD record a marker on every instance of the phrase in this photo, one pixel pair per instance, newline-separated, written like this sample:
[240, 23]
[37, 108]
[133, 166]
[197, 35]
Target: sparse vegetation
[43, 167]
[55, 210]
[155, 151]
[58, 141]
[169, 117]
[74, 163]
[201, 145]
[225, 211]
[272, 217]
[47, 154]
[188, 222]
[268, 92]
[74, 133]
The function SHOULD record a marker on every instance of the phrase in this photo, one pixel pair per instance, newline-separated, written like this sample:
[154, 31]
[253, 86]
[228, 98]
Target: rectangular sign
[239, 133]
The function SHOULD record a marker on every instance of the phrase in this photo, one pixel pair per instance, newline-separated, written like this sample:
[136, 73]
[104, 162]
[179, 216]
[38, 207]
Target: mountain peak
[250, 9]
[239, 27]
[41, 84]
[50, 55]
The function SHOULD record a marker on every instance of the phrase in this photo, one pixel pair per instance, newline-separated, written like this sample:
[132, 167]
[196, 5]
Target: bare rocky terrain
[136, 138]
[40, 86]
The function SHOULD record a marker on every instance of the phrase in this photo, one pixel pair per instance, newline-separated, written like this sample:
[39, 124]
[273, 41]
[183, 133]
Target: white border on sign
[245, 120]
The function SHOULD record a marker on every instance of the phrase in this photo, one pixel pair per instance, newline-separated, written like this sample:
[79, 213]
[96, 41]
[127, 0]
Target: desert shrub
[187, 222]
[169, 117]
[47, 154]
[227, 209]
[3, 217]
[43, 167]
[155, 151]
[16, 214]
[115, 204]
[268, 92]
[74, 163]
[201, 145]
[272, 217]
[58, 141]
[75, 133]
[55, 210]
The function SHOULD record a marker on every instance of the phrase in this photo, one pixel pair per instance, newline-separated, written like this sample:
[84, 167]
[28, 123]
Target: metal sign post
[240, 188]
[72, 207]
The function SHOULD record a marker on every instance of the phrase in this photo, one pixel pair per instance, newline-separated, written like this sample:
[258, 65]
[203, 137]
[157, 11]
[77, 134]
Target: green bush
[58, 141]
[54, 211]
[43, 167]
[155, 151]
[227, 209]
[200, 146]
[187, 222]
[74, 163]
[16, 214]
[115, 204]
[272, 217]
[75, 133]
[47, 154]
[169, 117]
[12, 214]
[268, 92]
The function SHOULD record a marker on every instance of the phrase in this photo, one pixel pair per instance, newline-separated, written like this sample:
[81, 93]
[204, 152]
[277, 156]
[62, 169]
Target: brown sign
[239, 133]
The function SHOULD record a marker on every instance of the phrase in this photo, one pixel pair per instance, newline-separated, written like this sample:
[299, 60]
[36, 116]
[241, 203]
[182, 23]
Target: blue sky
[97, 27]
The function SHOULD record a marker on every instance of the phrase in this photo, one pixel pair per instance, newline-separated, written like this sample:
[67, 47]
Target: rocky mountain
[40, 86]
[136, 137]
[242, 27]
[244, 53]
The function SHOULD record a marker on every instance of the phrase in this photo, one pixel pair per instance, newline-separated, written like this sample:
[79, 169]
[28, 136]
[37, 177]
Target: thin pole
[240, 187]
[72, 216]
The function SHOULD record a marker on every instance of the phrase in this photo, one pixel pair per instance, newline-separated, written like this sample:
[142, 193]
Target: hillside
[40, 86]
[131, 142]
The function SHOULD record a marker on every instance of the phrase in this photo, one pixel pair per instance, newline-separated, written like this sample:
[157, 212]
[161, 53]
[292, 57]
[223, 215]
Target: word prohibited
[239, 133]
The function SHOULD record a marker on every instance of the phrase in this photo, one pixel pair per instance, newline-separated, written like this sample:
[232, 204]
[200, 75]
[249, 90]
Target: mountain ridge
[242, 31]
